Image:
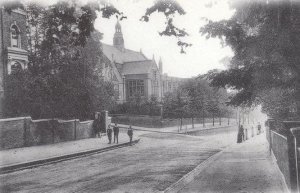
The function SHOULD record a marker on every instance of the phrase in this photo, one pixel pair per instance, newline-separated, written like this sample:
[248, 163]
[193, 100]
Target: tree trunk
[228, 120]
[180, 123]
[213, 119]
[193, 122]
[220, 119]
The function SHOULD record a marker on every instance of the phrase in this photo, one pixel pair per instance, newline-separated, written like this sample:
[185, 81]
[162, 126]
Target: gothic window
[14, 67]
[15, 37]
[136, 87]
[117, 90]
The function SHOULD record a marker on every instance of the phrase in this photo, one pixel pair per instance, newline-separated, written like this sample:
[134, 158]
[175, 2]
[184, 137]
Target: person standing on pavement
[97, 125]
[130, 134]
[109, 133]
[240, 137]
[116, 133]
[258, 128]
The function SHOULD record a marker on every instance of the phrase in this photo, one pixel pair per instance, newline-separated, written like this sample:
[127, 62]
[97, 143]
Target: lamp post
[124, 97]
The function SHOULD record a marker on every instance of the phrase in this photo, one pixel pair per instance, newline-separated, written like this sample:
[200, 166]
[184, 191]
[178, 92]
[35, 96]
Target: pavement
[185, 128]
[20, 158]
[245, 167]
[155, 163]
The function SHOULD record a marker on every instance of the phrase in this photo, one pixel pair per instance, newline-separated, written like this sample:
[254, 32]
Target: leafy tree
[264, 36]
[64, 69]
[169, 8]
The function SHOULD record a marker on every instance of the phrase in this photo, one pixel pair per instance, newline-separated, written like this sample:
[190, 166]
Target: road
[159, 160]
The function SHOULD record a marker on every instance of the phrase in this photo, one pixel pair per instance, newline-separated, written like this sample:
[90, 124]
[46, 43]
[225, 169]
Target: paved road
[152, 165]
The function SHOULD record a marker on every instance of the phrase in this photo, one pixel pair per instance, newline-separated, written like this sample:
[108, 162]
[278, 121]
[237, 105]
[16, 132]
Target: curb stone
[51, 160]
[189, 177]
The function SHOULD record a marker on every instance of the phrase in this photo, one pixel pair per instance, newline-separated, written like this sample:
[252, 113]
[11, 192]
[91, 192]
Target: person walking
[240, 137]
[116, 133]
[258, 128]
[130, 134]
[97, 125]
[109, 133]
[252, 131]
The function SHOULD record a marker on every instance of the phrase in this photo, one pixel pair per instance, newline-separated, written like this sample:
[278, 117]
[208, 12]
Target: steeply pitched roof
[118, 56]
[138, 67]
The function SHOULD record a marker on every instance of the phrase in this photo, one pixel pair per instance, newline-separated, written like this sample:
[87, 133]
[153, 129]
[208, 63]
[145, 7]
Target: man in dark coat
[240, 138]
[116, 133]
[130, 134]
[109, 133]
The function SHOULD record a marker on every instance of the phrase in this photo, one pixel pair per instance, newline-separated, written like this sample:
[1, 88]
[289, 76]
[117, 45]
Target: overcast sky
[204, 55]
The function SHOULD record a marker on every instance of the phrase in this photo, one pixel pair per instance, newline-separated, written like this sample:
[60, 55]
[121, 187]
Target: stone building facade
[13, 42]
[134, 74]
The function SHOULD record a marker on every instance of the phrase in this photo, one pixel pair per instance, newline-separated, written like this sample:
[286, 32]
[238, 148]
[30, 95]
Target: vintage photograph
[150, 96]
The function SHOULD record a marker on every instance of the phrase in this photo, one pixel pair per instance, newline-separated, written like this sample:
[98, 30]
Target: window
[135, 87]
[116, 88]
[15, 36]
[14, 67]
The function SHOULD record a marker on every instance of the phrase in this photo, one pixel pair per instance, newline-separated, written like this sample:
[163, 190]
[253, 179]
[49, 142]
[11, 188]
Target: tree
[169, 8]
[64, 70]
[264, 36]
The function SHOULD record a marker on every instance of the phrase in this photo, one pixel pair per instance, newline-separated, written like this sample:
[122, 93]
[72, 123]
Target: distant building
[13, 42]
[133, 73]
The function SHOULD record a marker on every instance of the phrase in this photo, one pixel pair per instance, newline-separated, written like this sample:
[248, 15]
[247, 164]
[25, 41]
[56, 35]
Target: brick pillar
[104, 120]
[27, 134]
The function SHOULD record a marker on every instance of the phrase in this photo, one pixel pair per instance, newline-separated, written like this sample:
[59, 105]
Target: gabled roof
[139, 67]
[118, 56]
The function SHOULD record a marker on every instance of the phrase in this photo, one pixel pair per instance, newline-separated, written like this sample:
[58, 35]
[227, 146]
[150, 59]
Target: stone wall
[24, 132]
[156, 122]
[280, 151]
[12, 133]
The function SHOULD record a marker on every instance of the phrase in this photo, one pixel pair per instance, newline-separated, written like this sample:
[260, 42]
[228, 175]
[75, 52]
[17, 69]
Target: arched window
[15, 36]
[14, 67]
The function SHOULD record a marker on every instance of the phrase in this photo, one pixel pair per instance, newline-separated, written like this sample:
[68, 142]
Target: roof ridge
[147, 60]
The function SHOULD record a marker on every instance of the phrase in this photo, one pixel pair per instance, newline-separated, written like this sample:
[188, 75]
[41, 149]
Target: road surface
[155, 163]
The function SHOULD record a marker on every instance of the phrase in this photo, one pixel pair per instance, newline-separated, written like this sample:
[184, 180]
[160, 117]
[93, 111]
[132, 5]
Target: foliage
[169, 8]
[264, 36]
[64, 73]
[139, 106]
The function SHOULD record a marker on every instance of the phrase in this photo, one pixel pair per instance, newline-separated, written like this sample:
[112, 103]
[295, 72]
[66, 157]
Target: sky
[204, 55]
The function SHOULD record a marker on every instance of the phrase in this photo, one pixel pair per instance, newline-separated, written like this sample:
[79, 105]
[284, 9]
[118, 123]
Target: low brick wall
[24, 132]
[84, 129]
[12, 133]
[280, 147]
[156, 122]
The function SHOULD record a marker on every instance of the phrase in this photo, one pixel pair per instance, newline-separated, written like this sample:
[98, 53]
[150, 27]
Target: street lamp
[123, 78]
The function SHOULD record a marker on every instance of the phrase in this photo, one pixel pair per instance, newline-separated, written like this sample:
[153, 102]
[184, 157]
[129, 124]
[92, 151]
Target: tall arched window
[15, 36]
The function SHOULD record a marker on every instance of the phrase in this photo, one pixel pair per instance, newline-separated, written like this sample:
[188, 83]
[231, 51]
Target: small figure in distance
[109, 133]
[116, 133]
[240, 137]
[130, 134]
[258, 128]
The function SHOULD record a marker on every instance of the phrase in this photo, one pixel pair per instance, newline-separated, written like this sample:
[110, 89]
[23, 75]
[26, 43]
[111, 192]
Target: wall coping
[40, 120]
[66, 121]
[88, 121]
[279, 134]
[14, 119]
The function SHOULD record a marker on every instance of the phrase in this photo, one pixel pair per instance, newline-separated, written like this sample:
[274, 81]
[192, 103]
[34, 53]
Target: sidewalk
[185, 128]
[25, 155]
[245, 167]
